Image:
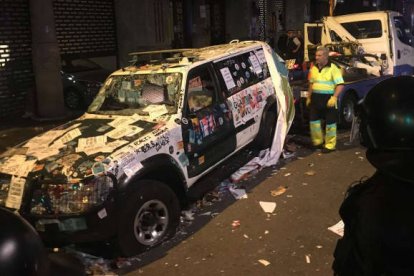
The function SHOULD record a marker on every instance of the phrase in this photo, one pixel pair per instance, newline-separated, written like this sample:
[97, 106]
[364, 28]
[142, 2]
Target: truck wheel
[150, 215]
[347, 110]
[264, 137]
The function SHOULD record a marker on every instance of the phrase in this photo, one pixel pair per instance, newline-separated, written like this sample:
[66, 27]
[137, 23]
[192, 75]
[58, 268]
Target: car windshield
[138, 93]
[78, 65]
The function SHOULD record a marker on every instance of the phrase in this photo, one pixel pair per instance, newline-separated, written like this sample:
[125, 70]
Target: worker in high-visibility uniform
[325, 86]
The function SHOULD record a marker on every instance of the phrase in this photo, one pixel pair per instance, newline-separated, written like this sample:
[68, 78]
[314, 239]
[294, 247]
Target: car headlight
[55, 199]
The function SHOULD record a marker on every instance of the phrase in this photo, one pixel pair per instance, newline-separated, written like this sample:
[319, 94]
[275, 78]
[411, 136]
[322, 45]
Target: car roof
[178, 60]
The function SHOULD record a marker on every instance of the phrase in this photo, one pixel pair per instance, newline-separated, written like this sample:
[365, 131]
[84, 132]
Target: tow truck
[368, 47]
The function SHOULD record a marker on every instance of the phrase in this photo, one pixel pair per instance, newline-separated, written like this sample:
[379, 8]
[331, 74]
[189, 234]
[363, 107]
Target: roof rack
[159, 56]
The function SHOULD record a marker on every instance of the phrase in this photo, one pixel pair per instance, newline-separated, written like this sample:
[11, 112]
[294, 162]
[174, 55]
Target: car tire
[347, 110]
[150, 215]
[73, 99]
[266, 132]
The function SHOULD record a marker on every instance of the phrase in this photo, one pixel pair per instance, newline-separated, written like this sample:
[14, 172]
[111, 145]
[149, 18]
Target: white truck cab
[382, 35]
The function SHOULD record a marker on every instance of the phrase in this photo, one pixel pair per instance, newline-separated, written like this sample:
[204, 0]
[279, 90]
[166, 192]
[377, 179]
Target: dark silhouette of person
[378, 212]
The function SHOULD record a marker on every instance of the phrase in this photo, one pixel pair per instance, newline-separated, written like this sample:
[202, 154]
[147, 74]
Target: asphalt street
[294, 239]
[236, 237]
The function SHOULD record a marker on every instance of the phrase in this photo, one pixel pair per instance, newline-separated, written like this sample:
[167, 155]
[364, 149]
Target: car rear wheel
[264, 138]
[150, 215]
[73, 99]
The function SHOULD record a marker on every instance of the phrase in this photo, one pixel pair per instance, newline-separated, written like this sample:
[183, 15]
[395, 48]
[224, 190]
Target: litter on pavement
[338, 228]
[264, 262]
[307, 257]
[280, 190]
[235, 223]
[310, 173]
[238, 193]
[268, 207]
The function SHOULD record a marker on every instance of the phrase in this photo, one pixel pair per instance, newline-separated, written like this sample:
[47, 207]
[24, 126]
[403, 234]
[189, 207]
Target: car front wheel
[150, 215]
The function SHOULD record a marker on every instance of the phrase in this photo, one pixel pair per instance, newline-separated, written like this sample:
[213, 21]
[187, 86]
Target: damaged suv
[122, 171]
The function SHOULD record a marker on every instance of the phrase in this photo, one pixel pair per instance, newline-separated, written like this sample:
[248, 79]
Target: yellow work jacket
[323, 81]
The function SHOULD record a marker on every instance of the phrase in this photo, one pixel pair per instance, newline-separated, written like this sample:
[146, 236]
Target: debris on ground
[310, 173]
[187, 215]
[291, 147]
[237, 192]
[287, 174]
[264, 262]
[93, 265]
[268, 207]
[307, 257]
[338, 228]
[280, 190]
[244, 172]
[235, 223]
[287, 154]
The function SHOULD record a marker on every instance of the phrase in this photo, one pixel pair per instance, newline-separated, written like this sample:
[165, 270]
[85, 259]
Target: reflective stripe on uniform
[316, 132]
[324, 81]
[330, 136]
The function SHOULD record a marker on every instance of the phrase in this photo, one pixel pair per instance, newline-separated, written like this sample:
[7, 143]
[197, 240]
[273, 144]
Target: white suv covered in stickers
[122, 171]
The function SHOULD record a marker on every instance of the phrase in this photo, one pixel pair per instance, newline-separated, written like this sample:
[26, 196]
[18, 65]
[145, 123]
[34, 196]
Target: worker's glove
[332, 102]
[308, 101]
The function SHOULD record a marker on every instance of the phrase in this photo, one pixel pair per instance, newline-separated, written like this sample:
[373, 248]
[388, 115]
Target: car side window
[239, 72]
[200, 89]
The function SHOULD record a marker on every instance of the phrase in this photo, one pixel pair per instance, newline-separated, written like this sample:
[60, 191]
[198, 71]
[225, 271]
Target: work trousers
[318, 112]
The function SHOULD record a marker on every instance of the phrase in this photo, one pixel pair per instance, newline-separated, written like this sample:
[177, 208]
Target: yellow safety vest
[324, 81]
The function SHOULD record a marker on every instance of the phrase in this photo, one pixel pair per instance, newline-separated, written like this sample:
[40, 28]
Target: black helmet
[21, 250]
[387, 126]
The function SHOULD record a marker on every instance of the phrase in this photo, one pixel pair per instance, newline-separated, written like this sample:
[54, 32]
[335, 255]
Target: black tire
[153, 205]
[74, 99]
[347, 110]
[267, 129]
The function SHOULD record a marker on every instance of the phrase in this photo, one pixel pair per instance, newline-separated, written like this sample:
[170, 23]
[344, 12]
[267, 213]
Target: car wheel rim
[72, 100]
[348, 112]
[151, 222]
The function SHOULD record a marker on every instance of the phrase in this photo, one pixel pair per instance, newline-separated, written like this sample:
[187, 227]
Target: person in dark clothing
[281, 45]
[378, 212]
[293, 45]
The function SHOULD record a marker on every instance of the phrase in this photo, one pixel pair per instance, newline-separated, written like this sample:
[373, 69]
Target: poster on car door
[246, 103]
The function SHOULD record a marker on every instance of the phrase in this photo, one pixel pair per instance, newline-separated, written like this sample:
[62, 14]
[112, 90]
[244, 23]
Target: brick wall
[16, 76]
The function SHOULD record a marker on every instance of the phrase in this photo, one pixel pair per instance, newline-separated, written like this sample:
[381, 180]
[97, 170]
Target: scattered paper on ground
[268, 207]
[280, 190]
[264, 262]
[307, 257]
[338, 228]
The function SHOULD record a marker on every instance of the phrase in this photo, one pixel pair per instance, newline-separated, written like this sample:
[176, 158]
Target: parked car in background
[124, 169]
[82, 79]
